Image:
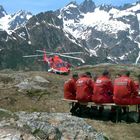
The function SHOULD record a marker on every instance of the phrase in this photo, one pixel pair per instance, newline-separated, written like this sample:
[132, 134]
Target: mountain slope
[10, 22]
[105, 28]
[103, 33]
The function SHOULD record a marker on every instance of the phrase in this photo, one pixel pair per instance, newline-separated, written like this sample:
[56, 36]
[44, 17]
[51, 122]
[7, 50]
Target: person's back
[137, 83]
[70, 88]
[103, 89]
[123, 87]
[125, 91]
[84, 88]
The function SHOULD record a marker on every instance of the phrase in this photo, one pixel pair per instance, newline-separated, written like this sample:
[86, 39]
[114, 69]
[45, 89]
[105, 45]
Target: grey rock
[43, 125]
[35, 83]
[58, 125]
[13, 134]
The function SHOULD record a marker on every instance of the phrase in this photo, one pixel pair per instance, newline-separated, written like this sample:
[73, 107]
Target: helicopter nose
[64, 69]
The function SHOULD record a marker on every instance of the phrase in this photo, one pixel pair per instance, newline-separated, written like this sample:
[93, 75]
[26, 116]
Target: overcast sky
[36, 6]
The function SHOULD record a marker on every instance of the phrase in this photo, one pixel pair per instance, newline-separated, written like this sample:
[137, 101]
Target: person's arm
[90, 84]
[110, 88]
[134, 91]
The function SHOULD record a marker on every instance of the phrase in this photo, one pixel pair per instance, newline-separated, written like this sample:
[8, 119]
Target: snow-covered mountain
[108, 31]
[10, 22]
[104, 33]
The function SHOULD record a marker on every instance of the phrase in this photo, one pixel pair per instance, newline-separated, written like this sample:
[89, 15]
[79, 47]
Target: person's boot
[112, 114]
[75, 109]
[100, 111]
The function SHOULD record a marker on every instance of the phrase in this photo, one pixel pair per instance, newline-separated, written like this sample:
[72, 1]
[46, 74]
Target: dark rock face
[2, 11]
[87, 6]
[71, 11]
[19, 19]
[106, 7]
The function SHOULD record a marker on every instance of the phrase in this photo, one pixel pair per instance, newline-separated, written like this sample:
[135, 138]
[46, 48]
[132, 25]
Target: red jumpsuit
[70, 89]
[125, 92]
[103, 90]
[137, 85]
[84, 89]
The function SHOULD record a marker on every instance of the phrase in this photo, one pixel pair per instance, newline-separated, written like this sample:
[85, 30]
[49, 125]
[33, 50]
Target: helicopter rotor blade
[64, 55]
[73, 53]
[43, 52]
[58, 53]
[78, 58]
[27, 56]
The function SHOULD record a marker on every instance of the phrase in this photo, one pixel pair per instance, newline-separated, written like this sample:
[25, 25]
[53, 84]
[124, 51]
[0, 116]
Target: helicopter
[55, 63]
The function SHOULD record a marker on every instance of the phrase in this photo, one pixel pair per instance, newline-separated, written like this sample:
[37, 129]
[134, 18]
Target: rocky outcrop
[35, 83]
[13, 134]
[50, 126]
[87, 6]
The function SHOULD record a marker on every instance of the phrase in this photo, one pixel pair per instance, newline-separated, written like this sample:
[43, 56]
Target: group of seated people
[122, 91]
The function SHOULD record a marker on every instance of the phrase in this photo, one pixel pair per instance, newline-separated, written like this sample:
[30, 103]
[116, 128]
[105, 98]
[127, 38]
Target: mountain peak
[106, 7]
[19, 18]
[22, 12]
[2, 11]
[70, 11]
[87, 6]
[72, 2]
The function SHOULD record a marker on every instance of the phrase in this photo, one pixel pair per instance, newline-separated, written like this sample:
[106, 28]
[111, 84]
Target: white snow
[22, 37]
[37, 23]
[29, 42]
[117, 13]
[69, 6]
[27, 32]
[97, 47]
[125, 55]
[137, 59]
[4, 23]
[8, 19]
[113, 59]
[92, 18]
[93, 52]
[134, 8]
[99, 20]
[28, 16]
[71, 39]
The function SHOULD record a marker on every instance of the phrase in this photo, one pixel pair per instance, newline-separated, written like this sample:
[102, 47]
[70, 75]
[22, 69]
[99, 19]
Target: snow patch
[92, 52]
[134, 8]
[29, 42]
[99, 20]
[4, 23]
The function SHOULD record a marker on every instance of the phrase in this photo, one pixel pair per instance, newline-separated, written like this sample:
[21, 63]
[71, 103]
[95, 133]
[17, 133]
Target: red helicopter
[55, 63]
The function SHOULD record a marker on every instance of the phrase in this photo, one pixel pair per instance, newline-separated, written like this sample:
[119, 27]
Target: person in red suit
[84, 88]
[103, 89]
[70, 93]
[137, 83]
[70, 87]
[125, 92]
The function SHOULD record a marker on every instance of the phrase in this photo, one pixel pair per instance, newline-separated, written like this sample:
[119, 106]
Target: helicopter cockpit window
[59, 65]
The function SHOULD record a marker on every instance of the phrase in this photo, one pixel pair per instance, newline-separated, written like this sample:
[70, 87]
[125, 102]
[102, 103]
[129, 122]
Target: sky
[37, 6]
